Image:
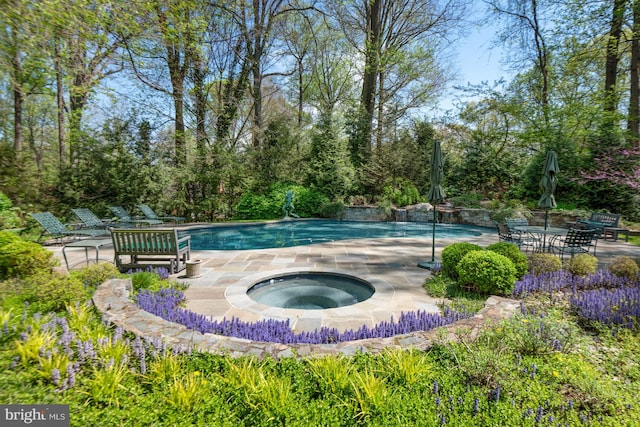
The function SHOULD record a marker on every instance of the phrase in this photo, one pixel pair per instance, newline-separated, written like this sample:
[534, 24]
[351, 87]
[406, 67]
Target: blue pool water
[298, 233]
[311, 291]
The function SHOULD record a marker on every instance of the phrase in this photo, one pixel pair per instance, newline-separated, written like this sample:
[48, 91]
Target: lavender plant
[166, 304]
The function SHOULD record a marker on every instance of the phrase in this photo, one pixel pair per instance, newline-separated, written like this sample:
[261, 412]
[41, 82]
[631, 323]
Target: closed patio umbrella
[548, 184]
[436, 194]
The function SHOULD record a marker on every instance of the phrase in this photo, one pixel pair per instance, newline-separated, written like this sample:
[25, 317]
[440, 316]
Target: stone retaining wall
[418, 213]
[112, 298]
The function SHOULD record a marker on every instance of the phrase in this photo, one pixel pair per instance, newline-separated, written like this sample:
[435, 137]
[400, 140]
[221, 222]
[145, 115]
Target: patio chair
[150, 214]
[124, 217]
[57, 229]
[516, 237]
[526, 239]
[577, 241]
[91, 220]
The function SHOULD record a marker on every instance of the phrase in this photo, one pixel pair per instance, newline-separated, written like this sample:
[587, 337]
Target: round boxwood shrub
[488, 272]
[452, 254]
[22, 259]
[544, 263]
[96, 274]
[511, 251]
[624, 266]
[581, 264]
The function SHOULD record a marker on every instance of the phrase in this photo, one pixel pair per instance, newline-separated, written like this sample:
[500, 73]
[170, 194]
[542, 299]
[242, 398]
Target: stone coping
[112, 298]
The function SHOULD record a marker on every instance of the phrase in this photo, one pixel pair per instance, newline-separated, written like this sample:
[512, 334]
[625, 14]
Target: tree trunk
[62, 149]
[18, 96]
[612, 56]
[370, 76]
[633, 123]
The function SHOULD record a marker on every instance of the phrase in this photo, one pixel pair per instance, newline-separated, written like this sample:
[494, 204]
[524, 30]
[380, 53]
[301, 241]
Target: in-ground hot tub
[311, 291]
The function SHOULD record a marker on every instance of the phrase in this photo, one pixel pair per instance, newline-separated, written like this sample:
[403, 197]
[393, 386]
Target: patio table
[541, 233]
[96, 244]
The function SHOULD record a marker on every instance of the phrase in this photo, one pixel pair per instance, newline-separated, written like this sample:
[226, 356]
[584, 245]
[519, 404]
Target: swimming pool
[284, 234]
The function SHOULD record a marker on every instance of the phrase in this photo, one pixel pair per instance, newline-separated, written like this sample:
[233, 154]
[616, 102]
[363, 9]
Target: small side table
[614, 231]
[86, 244]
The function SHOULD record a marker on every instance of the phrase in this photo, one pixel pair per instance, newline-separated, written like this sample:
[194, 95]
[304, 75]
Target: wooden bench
[609, 223]
[157, 247]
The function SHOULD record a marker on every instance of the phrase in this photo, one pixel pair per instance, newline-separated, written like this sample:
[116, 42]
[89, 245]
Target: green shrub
[307, 203]
[22, 259]
[96, 274]
[146, 280]
[7, 237]
[452, 254]
[511, 251]
[8, 216]
[331, 210]
[544, 263]
[581, 264]
[488, 272]
[401, 192]
[624, 266]
[47, 292]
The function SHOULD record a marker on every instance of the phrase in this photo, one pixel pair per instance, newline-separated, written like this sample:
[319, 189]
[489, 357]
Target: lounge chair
[91, 220]
[57, 229]
[124, 217]
[150, 214]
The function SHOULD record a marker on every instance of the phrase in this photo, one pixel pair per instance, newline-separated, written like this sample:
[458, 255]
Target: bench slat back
[608, 219]
[145, 242]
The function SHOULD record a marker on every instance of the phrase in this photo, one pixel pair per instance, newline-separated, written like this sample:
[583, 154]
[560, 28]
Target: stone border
[112, 298]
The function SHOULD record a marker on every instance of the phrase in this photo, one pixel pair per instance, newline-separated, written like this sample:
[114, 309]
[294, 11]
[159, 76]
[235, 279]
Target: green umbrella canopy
[436, 193]
[549, 181]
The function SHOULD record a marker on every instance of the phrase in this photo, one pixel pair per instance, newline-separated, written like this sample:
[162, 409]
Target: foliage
[401, 192]
[488, 272]
[21, 259]
[43, 292]
[581, 264]
[332, 210]
[543, 263]
[452, 254]
[468, 200]
[511, 251]
[307, 203]
[510, 209]
[94, 275]
[624, 266]
[7, 237]
[8, 215]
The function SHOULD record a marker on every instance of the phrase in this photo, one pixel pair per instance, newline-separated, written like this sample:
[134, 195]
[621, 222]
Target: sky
[476, 62]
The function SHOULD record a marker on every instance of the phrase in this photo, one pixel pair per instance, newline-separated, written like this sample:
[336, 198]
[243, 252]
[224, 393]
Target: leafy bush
[511, 251]
[47, 292]
[581, 264]
[624, 266]
[331, 210]
[307, 203]
[401, 192]
[544, 263]
[146, 280]
[96, 274]
[452, 254]
[21, 259]
[8, 217]
[7, 237]
[488, 272]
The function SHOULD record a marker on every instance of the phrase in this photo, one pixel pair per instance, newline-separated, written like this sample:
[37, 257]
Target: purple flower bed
[609, 306]
[601, 297]
[165, 304]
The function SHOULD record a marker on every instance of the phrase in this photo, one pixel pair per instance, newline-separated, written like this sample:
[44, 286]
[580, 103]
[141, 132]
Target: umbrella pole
[433, 237]
[430, 264]
[546, 223]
